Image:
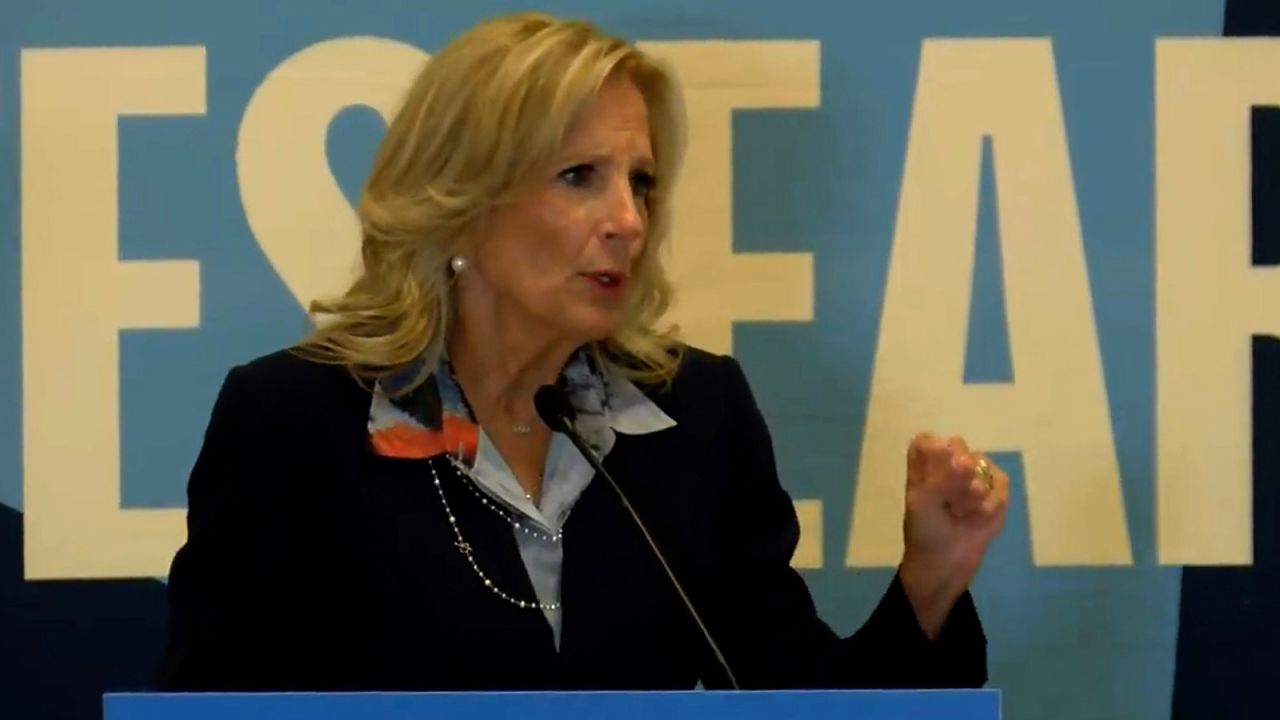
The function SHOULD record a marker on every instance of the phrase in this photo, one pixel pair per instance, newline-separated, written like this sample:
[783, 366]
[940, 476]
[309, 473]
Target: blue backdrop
[1096, 640]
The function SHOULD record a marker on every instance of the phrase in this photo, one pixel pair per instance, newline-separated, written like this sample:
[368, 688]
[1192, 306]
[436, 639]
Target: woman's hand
[956, 503]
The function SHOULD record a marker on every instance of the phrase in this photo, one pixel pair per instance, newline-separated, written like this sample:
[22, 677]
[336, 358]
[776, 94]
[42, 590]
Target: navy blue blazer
[313, 563]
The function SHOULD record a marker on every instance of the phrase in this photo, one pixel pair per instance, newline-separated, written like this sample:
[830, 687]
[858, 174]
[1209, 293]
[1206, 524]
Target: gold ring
[984, 472]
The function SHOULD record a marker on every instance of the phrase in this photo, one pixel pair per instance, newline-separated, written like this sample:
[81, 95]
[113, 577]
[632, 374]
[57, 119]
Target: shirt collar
[434, 418]
[631, 412]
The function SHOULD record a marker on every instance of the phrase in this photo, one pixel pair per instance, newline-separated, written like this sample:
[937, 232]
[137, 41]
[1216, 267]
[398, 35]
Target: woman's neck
[500, 368]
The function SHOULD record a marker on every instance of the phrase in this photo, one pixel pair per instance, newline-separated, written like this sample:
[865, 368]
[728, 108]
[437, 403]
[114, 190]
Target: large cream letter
[1055, 410]
[76, 297]
[1210, 299]
[717, 286]
[292, 201]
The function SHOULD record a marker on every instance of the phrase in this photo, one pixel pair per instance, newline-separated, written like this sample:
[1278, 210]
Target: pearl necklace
[474, 486]
[465, 548]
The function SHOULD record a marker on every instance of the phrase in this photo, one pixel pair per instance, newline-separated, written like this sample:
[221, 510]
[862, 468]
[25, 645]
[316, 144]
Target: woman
[381, 508]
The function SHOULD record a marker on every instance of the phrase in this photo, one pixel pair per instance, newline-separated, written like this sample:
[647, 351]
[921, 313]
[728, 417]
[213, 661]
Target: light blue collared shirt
[565, 475]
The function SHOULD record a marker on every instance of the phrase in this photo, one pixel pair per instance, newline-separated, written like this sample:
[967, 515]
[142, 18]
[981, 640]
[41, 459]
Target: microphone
[554, 408]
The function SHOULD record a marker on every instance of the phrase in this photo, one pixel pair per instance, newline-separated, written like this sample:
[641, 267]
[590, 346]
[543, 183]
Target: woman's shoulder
[698, 366]
[287, 369]
[703, 379]
[711, 403]
[286, 381]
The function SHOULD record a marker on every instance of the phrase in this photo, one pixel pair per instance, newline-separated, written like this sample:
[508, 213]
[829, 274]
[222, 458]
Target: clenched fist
[955, 506]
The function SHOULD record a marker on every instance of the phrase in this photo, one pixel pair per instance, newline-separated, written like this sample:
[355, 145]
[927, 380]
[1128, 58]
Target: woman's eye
[578, 175]
[642, 183]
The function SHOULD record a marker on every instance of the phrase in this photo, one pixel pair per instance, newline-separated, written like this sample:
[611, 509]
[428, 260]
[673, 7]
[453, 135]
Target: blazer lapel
[613, 588]
[423, 558]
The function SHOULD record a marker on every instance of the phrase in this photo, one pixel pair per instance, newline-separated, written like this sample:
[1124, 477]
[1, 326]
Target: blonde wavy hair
[486, 113]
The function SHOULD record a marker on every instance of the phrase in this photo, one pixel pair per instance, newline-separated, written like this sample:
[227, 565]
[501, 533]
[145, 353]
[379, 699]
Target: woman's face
[560, 257]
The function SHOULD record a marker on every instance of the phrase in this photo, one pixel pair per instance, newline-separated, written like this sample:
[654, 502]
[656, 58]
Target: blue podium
[810, 705]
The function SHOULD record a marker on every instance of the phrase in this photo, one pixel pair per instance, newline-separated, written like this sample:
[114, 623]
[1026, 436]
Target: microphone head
[553, 406]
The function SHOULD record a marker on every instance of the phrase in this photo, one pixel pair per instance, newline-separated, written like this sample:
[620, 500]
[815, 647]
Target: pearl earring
[458, 263]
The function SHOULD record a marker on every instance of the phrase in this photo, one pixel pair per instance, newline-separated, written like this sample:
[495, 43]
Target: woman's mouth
[607, 280]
